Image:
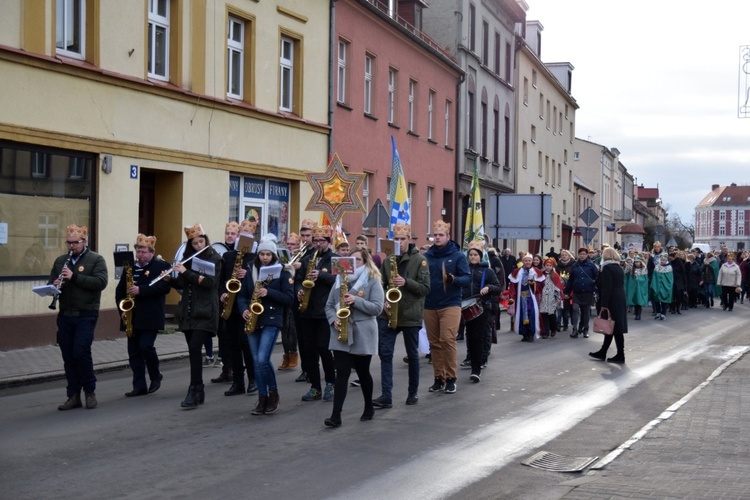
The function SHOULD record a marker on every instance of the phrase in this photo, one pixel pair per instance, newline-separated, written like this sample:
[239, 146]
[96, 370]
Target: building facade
[148, 116]
[391, 80]
[722, 218]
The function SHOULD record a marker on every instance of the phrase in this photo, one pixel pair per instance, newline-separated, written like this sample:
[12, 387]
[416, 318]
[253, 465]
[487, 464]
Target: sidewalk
[37, 364]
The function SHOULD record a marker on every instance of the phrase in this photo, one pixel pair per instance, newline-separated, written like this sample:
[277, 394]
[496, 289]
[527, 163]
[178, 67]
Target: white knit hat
[268, 243]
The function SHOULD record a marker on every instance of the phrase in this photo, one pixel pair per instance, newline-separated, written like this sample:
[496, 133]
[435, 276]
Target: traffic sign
[589, 216]
[588, 233]
[377, 217]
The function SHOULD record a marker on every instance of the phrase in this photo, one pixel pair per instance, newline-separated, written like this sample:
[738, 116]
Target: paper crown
[248, 226]
[441, 227]
[340, 239]
[307, 224]
[232, 226]
[78, 231]
[195, 231]
[321, 232]
[145, 241]
[475, 245]
[402, 230]
[293, 239]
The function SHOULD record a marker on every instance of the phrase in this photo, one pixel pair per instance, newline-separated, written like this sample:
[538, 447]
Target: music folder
[46, 290]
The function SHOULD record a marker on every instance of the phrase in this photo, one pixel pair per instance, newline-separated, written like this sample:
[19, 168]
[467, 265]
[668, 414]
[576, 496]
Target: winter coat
[148, 313]
[509, 263]
[82, 295]
[694, 275]
[497, 266]
[680, 276]
[455, 263]
[472, 289]
[662, 283]
[551, 293]
[363, 324]
[583, 275]
[199, 306]
[412, 266]
[280, 296]
[612, 295]
[708, 275]
[319, 293]
[730, 275]
[636, 291]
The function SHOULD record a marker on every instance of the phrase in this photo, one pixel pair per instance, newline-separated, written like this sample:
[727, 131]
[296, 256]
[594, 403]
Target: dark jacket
[199, 306]
[280, 295]
[472, 289]
[148, 313]
[455, 263]
[694, 275]
[228, 261]
[319, 293]
[612, 295]
[81, 296]
[708, 275]
[509, 263]
[412, 266]
[497, 266]
[652, 263]
[583, 275]
[680, 276]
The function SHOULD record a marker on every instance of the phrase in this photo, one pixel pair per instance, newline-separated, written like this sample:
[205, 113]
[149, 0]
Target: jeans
[75, 336]
[582, 302]
[142, 355]
[387, 343]
[262, 342]
[708, 292]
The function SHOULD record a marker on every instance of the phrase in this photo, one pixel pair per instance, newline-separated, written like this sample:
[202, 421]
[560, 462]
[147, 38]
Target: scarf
[359, 278]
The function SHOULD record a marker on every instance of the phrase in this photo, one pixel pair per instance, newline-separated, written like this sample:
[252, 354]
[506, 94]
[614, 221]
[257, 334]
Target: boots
[334, 420]
[284, 363]
[273, 402]
[293, 359]
[200, 394]
[195, 396]
[260, 408]
[226, 376]
[618, 358]
[73, 401]
[91, 400]
[598, 354]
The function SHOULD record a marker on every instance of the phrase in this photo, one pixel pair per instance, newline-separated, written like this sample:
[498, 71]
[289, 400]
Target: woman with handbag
[611, 285]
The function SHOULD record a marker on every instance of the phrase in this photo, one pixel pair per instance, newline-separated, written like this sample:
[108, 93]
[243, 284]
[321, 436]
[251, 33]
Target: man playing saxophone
[146, 316]
[233, 345]
[412, 279]
[313, 327]
[305, 236]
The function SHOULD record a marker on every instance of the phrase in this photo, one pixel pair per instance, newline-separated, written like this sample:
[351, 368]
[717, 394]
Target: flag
[400, 209]
[474, 221]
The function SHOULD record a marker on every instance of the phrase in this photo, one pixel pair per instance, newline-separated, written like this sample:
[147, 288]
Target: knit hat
[267, 243]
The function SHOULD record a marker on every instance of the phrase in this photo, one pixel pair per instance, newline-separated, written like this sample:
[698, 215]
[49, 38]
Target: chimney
[734, 184]
[714, 187]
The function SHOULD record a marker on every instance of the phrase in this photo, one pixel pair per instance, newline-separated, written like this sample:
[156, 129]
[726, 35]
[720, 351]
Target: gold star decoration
[336, 191]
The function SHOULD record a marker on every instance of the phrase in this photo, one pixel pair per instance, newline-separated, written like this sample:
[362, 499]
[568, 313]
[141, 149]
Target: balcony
[625, 214]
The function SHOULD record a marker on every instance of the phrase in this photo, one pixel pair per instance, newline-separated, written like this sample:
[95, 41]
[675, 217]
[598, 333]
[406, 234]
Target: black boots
[618, 358]
[334, 420]
[195, 396]
[273, 401]
[598, 354]
[260, 407]
[226, 376]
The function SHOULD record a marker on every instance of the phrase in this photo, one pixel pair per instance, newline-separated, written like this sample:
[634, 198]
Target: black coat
[316, 307]
[471, 290]
[228, 260]
[148, 313]
[680, 276]
[280, 296]
[611, 285]
[509, 263]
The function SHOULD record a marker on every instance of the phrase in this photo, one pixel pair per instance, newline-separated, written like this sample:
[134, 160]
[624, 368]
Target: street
[544, 396]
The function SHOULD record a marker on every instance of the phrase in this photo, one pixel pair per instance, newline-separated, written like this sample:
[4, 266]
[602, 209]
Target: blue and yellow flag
[400, 209]
[474, 220]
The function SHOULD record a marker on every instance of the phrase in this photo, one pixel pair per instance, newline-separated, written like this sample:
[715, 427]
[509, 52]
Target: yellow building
[147, 116]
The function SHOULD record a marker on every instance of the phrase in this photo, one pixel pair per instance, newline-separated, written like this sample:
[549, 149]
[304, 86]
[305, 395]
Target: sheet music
[45, 290]
[203, 266]
[273, 272]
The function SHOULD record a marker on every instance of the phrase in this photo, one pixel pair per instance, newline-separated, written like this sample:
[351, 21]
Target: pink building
[392, 80]
[722, 217]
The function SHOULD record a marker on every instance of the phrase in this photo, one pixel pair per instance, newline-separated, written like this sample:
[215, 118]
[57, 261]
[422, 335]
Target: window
[158, 39]
[485, 126]
[472, 27]
[722, 215]
[541, 106]
[506, 121]
[533, 78]
[533, 134]
[741, 230]
[496, 135]
[548, 114]
[368, 83]
[565, 207]
[235, 58]
[429, 210]
[508, 62]
[525, 91]
[47, 189]
[412, 99]
[576, 156]
[70, 27]
[497, 53]
[722, 230]
[341, 87]
[559, 174]
[430, 113]
[286, 65]
[741, 215]
[410, 192]
[546, 169]
[447, 123]
[470, 125]
[539, 163]
[554, 117]
[565, 156]
[485, 43]
[391, 95]
[524, 154]
[552, 174]
[366, 196]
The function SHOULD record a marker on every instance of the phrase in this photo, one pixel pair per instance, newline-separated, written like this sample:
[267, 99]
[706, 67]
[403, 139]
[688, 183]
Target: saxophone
[308, 284]
[233, 286]
[128, 303]
[393, 294]
[343, 312]
[256, 308]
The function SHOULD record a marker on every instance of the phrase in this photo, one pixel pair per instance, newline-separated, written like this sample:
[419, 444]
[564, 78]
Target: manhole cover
[557, 463]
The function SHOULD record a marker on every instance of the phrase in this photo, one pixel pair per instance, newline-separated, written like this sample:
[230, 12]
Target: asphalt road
[544, 396]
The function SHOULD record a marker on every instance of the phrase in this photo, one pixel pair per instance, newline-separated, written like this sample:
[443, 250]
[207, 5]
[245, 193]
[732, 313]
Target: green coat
[414, 268]
[636, 288]
[661, 283]
[82, 296]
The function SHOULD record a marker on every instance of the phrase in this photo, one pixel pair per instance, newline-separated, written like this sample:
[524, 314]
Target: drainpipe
[332, 35]
[459, 154]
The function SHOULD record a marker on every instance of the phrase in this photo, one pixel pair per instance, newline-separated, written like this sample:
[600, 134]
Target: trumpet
[393, 294]
[343, 312]
[128, 303]
[308, 284]
[59, 280]
[233, 286]
[166, 272]
[300, 253]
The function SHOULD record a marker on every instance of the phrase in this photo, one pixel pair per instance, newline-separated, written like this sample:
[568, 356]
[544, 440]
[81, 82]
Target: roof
[632, 228]
[732, 195]
[648, 193]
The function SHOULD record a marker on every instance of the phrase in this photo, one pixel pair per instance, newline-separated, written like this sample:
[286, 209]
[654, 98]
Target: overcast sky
[658, 80]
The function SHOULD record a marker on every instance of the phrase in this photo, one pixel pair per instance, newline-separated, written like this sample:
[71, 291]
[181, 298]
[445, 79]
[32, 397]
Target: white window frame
[429, 209]
[67, 33]
[722, 215]
[49, 229]
[722, 230]
[366, 197]
[157, 21]
[235, 48]
[447, 123]
[391, 94]
[412, 97]
[286, 74]
[368, 84]
[341, 83]
[430, 103]
[39, 165]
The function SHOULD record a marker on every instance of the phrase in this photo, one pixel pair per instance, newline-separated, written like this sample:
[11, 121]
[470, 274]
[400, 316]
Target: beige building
[546, 133]
[147, 116]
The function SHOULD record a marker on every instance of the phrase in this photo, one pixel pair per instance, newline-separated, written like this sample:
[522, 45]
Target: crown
[78, 232]
[476, 244]
[192, 232]
[292, 238]
[441, 227]
[307, 224]
[145, 241]
[248, 226]
[232, 226]
[402, 230]
[321, 231]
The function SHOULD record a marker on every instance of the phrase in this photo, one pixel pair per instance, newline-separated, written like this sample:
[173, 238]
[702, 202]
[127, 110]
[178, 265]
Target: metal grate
[557, 463]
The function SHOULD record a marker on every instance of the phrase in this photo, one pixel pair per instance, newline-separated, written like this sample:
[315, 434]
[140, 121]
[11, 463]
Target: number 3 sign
[133, 171]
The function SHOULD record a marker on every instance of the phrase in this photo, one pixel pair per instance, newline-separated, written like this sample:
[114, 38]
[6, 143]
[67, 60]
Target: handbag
[602, 325]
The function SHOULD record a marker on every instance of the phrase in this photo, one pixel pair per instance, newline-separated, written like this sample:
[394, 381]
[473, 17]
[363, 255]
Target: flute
[165, 273]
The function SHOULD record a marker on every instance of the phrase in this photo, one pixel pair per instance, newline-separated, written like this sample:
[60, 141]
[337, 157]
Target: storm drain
[557, 463]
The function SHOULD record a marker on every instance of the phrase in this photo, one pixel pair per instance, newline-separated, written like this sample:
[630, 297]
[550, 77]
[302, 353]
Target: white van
[704, 247]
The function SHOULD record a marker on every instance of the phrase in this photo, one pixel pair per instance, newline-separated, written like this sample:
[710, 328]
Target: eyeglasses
[71, 243]
[320, 241]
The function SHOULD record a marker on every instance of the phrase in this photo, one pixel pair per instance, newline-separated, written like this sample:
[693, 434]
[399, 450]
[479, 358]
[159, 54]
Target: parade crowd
[433, 296]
